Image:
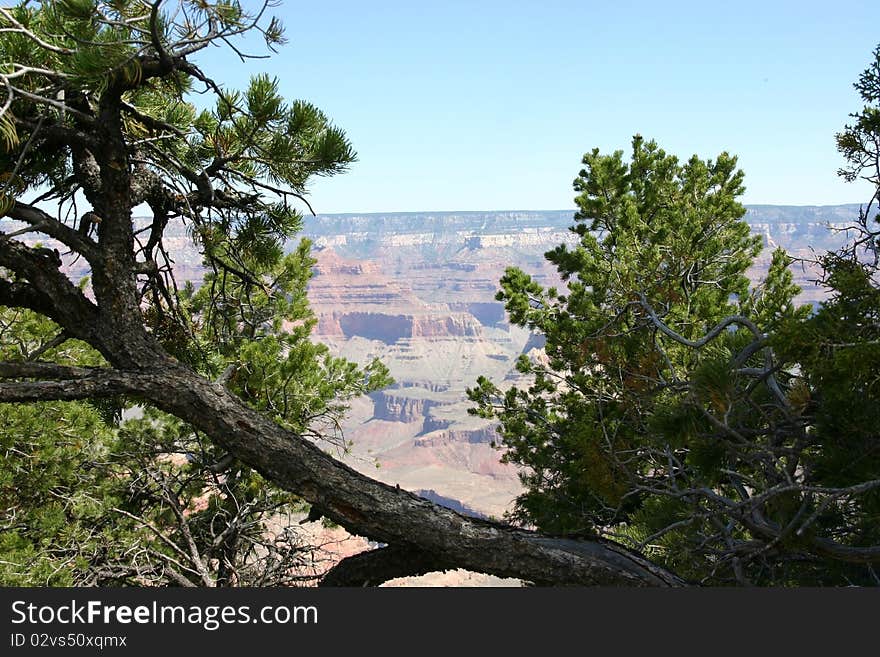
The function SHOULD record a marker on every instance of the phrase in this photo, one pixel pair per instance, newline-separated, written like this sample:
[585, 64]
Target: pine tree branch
[47, 224]
[43, 370]
[47, 290]
[57, 341]
[713, 333]
[72, 383]
[23, 295]
[21, 29]
[709, 336]
[151, 122]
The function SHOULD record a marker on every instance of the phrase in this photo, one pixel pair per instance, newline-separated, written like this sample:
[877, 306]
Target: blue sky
[490, 105]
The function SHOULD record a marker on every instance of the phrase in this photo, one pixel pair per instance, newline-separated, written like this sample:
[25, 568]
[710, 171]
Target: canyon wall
[417, 290]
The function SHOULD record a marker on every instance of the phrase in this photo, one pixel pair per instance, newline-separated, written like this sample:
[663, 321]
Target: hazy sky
[490, 105]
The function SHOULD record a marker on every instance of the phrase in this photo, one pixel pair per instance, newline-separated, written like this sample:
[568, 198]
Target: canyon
[417, 290]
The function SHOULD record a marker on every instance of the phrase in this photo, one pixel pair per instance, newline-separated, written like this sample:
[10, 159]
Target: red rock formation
[399, 408]
[481, 436]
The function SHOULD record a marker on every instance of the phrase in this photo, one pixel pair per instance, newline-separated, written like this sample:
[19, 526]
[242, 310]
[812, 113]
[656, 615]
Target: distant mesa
[392, 406]
[394, 328]
[485, 435]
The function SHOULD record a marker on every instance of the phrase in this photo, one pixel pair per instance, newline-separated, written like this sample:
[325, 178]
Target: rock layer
[417, 290]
